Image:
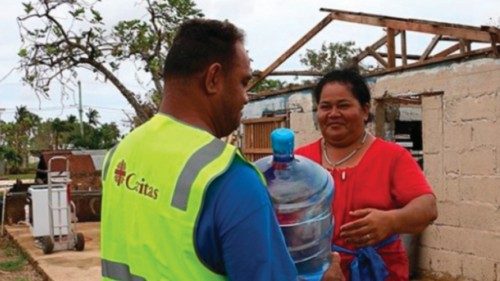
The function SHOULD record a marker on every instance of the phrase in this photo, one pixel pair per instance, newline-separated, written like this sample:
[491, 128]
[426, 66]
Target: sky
[271, 27]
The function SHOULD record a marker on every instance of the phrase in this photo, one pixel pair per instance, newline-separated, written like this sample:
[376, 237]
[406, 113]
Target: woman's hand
[369, 227]
[372, 226]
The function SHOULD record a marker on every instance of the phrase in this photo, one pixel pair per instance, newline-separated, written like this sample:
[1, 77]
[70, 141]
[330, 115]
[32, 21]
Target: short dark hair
[199, 43]
[352, 78]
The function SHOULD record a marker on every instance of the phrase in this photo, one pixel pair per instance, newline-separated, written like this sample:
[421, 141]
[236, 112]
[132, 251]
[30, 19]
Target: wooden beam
[429, 48]
[480, 52]
[391, 48]
[447, 51]
[404, 56]
[295, 73]
[286, 89]
[464, 46]
[494, 46]
[495, 37]
[438, 28]
[433, 60]
[400, 56]
[493, 31]
[324, 22]
[377, 57]
[449, 38]
[379, 43]
[278, 118]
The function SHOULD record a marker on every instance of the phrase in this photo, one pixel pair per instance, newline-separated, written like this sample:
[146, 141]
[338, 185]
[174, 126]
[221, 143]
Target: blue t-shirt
[238, 234]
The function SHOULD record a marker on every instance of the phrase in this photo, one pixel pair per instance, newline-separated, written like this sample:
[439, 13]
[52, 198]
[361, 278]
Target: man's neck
[187, 110]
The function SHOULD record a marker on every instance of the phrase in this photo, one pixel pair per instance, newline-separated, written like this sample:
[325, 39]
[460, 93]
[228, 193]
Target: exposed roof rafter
[433, 27]
[462, 35]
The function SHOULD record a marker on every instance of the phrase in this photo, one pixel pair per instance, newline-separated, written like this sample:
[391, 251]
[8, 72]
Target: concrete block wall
[461, 139]
[303, 125]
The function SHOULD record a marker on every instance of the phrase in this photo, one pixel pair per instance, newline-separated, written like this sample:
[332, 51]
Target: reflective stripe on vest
[198, 160]
[107, 160]
[118, 271]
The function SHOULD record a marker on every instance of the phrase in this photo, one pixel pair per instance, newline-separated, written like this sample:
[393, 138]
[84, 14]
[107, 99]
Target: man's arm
[334, 272]
[238, 234]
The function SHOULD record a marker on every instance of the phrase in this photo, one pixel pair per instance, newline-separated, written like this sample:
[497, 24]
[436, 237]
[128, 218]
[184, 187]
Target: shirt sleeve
[238, 234]
[408, 180]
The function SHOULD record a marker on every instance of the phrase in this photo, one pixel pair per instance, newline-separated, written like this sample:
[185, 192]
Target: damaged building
[442, 104]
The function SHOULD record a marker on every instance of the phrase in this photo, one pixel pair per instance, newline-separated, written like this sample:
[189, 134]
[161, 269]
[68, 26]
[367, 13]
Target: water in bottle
[301, 192]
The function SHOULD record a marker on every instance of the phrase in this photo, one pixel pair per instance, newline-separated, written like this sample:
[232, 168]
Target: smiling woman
[380, 190]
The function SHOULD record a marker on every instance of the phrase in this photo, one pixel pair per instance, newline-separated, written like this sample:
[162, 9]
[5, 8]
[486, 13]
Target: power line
[53, 108]
[107, 108]
[50, 108]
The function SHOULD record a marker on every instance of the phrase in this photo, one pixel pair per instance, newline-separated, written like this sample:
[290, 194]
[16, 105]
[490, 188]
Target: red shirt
[387, 177]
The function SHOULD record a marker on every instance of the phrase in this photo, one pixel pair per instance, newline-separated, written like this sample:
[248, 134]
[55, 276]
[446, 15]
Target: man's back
[153, 191]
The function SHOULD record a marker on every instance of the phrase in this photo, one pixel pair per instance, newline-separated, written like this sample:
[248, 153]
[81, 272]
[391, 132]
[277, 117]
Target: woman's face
[340, 115]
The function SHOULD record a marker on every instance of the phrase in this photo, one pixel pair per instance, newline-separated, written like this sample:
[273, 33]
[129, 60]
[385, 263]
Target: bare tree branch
[57, 50]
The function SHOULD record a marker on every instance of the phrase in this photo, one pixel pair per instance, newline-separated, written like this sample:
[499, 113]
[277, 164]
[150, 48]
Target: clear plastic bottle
[301, 192]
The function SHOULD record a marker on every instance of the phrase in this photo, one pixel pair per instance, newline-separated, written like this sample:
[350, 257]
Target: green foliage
[73, 36]
[16, 262]
[28, 133]
[12, 158]
[27, 7]
[15, 138]
[13, 265]
[22, 53]
[330, 56]
[268, 85]
[103, 137]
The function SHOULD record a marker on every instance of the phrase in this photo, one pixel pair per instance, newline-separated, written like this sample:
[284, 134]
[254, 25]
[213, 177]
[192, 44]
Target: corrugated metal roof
[97, 156]
[83, 174]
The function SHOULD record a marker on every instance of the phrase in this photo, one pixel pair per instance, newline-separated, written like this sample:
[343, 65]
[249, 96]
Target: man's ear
[214, 78]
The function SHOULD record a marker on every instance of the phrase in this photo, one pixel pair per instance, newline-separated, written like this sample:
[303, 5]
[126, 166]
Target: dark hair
[350, 77]
[199, 43]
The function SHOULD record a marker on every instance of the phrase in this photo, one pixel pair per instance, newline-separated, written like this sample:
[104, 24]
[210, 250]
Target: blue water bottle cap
[282, 141]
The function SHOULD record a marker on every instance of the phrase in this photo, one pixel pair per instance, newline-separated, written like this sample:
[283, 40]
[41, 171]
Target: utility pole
[80, 110]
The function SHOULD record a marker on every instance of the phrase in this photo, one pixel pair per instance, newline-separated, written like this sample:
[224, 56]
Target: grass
[10, 251]
[13, 265]
[15, 259]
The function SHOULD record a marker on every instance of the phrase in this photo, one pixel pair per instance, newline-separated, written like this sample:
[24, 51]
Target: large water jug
[301, 192]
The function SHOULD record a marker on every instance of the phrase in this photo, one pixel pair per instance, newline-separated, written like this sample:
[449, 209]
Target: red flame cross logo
[120, 172]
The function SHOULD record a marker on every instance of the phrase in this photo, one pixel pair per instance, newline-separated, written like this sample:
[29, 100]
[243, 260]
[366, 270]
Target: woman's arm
[415, 216]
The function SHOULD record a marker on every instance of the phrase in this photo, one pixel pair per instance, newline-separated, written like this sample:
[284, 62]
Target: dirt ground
[70, 265]
[14, 266]
[64, 264]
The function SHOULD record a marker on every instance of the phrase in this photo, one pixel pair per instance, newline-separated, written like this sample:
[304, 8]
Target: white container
[40, 210]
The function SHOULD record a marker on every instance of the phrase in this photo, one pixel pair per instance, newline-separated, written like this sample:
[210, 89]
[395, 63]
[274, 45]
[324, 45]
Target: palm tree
[92, 117]
[58, 127]
[25, 128]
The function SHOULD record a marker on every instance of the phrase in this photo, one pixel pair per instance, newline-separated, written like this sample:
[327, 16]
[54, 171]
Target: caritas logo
[133, 183]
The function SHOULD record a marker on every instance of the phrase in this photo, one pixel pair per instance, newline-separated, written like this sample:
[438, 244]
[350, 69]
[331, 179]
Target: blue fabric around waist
[367, 264]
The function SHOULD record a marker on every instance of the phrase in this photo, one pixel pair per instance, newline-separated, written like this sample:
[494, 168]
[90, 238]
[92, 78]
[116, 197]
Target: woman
[380, 190]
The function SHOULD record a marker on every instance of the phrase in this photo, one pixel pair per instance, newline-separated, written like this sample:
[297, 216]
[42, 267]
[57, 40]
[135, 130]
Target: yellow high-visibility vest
[154, 183]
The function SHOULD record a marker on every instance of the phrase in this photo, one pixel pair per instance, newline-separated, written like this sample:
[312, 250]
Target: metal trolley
[61, 221]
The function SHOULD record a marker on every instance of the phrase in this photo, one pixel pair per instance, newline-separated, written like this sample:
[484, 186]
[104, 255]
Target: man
[178, 203]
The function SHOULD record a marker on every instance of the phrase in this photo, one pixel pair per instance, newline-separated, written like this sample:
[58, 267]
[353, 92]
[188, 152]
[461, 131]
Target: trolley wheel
[80, 242]
[47, 244]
